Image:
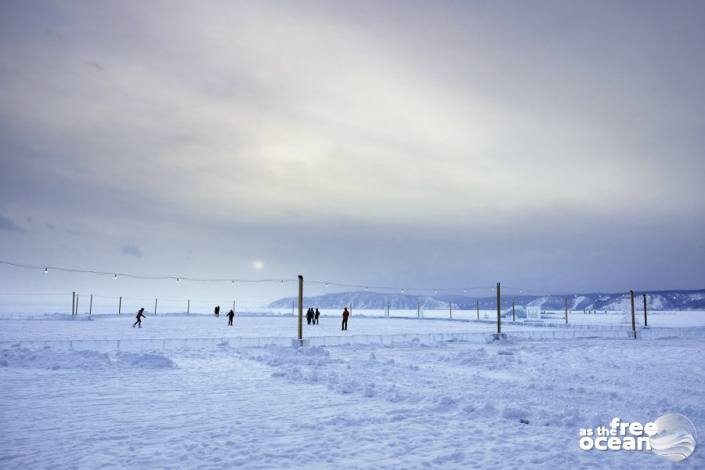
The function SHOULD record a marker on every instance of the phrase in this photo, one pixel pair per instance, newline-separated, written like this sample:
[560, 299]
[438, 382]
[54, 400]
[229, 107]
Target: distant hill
[661, 300]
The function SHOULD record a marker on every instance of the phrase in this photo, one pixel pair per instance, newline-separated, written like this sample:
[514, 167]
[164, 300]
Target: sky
[556, 146]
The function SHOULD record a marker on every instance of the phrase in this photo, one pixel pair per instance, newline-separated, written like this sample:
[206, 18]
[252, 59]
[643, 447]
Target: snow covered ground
[511, 404]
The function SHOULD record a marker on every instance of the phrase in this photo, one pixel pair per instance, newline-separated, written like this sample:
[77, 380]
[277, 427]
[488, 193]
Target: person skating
[315, 316]
[346, 314]
[140, 316]
[216, 311]
[231, 315]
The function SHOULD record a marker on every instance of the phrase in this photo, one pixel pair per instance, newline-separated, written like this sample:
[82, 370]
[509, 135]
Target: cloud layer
[553, 145]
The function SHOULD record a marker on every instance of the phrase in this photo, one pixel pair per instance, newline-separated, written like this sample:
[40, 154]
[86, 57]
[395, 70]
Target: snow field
[516, 403]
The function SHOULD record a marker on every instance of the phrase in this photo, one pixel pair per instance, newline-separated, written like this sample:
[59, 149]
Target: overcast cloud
[551, 145]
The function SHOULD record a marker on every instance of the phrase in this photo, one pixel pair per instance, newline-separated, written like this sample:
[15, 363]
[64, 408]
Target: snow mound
[18, 357]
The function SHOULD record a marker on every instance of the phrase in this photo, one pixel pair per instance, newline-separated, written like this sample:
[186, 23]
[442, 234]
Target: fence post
[76, 304]
[301, 308]
[565, 304]
[90, 307]
[418, 310]
[155, 307]
[513, 317]
[477, 303]
[188, 306]
[120, 306]
[450, 310]
[73, 303]
[233, 305]
[631, 294]
[499, 318]
[646, 321]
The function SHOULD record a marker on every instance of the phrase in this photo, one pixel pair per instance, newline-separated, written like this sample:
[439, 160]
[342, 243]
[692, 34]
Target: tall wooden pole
[477, 304]
[631, 293]
[301, 307]
[76, 305]
[513, 317]
[188, 306]
[450, 310]
[646, 321]
[73, 303]
[120, 306]
[90, 307]
[499, 310]
[418, 310]
[155, 306]
[233, 305]
[565, 304]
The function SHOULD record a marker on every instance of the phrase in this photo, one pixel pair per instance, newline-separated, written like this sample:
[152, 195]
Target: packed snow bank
[46, 358]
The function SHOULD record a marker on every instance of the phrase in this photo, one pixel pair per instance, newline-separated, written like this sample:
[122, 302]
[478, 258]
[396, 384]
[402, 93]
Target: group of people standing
[230, 314]
[312, 316]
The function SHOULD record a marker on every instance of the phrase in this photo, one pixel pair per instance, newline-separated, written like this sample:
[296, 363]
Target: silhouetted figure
[231, 315]
[309, 315]
[140, 316]
[315, 316]
[216, 311]
[346, 314]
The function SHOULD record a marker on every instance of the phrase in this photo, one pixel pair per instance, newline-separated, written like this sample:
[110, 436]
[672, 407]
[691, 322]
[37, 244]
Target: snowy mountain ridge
[657, 300]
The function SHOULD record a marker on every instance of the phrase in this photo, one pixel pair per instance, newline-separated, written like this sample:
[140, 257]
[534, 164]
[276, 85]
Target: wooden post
[513, 317]
[233, 305]
[188, 306]
[646, 321]
[73, 303]
[90, 307]
[565, 304]
[389, 306]
[477, 303]
[120, 306]
[450, 310]
[301, 307]
[76, 305]
[499, 310]
[418, 310]
[631, 293]
[155, 306]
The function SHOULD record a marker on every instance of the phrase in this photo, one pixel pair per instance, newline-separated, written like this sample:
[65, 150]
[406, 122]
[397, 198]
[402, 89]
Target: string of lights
[366, 287]
[117, 275]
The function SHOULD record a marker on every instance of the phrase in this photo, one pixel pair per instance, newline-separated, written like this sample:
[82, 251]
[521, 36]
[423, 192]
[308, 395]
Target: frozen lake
[512, 404]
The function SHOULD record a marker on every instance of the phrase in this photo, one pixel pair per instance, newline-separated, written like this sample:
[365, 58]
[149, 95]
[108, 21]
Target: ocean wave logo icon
[675, 438]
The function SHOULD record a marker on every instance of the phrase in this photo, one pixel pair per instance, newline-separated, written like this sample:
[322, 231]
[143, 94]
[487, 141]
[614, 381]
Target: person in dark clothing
[216, 311]
[231, 315]
[140, 316]
[346, 314]
[309, 315]
[315, 316]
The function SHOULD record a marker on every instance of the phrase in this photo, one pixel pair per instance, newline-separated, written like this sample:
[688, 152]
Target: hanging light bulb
[178, 280]
[114, 276]
[326, 285]
[232, 282]
[46, 270]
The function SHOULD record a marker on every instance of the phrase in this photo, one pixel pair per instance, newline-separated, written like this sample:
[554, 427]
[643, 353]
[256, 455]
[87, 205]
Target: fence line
[176, 344]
